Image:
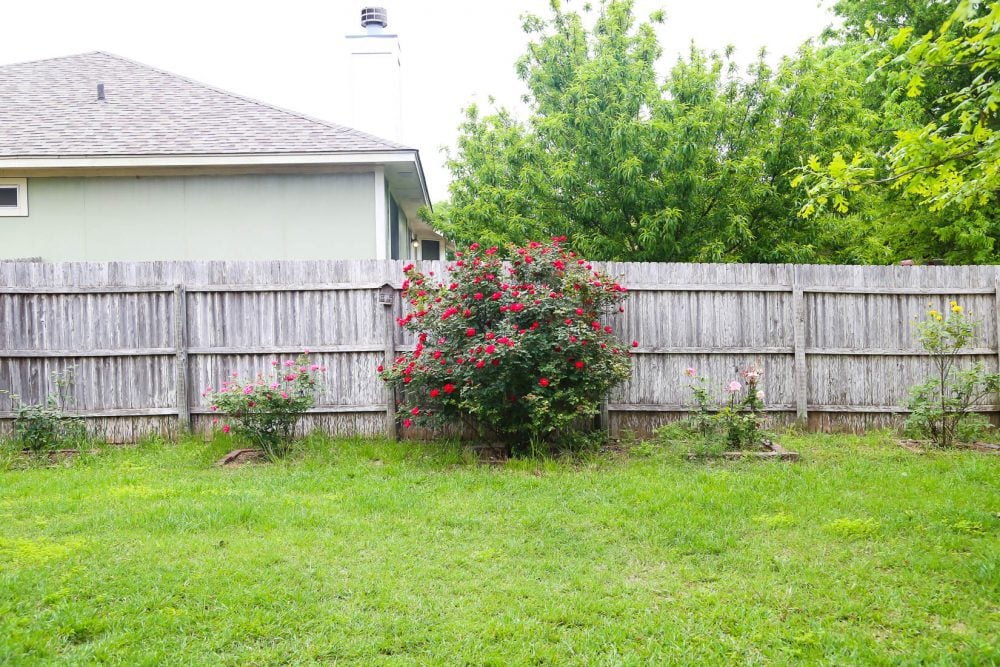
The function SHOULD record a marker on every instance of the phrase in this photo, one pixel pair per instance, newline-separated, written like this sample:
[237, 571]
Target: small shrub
[45, 427]
[942, 407]
[514, 350]
[737, 423]
[702, 418]
[264, 410]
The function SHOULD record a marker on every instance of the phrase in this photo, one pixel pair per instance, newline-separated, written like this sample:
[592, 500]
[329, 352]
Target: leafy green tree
[936, 162]
[629, 168]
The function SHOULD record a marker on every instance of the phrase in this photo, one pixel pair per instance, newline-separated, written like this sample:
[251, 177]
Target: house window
[430, 250]
[13, 197]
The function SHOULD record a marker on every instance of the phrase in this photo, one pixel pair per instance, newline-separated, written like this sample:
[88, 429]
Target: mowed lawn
[360, 552]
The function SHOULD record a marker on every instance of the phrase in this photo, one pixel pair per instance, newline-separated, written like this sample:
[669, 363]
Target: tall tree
[694, 168]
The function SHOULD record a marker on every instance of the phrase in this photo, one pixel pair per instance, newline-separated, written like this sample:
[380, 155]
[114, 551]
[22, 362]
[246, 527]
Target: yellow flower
[939, 318]
[953, 303]
[955, 308]
[933, 313]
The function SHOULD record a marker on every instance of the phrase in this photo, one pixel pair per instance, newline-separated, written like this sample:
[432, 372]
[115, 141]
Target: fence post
[181, 358]
[997, 308]
[801, 376]
[604, 418]
[387, 297]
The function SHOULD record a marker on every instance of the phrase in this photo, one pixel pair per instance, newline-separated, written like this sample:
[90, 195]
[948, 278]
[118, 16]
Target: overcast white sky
[292, 53]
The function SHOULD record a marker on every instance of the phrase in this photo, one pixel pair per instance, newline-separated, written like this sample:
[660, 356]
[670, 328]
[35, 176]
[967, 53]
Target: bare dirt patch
[239, 457]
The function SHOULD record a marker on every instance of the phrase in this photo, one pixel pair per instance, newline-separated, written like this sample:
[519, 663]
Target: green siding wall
[294, 216]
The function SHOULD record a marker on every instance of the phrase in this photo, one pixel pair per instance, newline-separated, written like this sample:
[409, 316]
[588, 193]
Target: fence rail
[837, 343]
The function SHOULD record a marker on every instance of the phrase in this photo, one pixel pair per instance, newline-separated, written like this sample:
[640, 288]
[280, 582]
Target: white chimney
[376, 82]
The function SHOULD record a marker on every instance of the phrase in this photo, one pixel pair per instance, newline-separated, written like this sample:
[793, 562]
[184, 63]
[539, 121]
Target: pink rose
[690, 372]
[734, 387]
[225, 428]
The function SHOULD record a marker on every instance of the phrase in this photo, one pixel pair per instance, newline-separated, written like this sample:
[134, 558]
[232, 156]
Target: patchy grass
[369, 552]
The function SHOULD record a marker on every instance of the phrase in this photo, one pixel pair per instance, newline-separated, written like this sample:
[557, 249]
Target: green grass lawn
[379, 553]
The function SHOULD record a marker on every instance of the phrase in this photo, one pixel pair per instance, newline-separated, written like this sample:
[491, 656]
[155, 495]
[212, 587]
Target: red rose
[544, 382]
[448, 388]
[470, 332]
[579, 364]
[435, 393]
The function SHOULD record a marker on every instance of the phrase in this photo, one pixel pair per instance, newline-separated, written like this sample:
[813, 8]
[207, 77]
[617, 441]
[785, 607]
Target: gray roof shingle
[49, 108]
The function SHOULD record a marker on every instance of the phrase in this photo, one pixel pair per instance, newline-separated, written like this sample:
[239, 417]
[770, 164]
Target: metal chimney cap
[374, 16]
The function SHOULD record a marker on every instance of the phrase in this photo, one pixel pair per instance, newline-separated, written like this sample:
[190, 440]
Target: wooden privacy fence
[837, 343]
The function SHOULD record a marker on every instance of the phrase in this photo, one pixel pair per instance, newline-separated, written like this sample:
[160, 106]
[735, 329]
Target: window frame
[21, 210]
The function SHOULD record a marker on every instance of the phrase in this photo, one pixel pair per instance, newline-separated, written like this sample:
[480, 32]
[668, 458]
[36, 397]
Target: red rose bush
[515, 349]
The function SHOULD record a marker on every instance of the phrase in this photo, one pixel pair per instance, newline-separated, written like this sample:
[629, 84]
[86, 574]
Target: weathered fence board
[837, 343]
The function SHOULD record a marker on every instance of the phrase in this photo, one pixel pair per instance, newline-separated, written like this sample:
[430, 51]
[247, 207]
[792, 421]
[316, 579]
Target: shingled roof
[50, 108]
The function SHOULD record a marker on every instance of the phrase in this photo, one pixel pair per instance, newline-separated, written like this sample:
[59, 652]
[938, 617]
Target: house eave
[196, 160]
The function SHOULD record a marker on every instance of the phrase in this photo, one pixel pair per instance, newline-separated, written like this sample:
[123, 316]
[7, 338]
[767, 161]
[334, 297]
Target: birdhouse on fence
[386, 294]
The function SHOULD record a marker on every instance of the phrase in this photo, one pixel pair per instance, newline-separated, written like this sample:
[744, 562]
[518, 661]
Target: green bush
[514, 350]
[942, 408]
[45, 427]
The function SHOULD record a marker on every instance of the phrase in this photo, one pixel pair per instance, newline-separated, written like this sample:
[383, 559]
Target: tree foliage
[628, 168]
[937, 67]
[887, 126]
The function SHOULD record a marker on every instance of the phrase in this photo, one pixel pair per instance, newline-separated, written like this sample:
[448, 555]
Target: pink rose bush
[739, 421]
[264, 409]
[516, 349]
